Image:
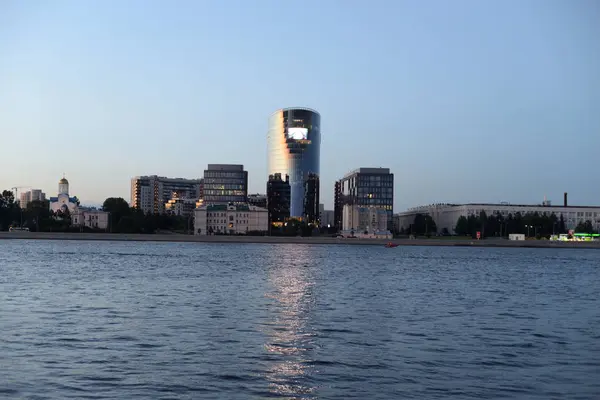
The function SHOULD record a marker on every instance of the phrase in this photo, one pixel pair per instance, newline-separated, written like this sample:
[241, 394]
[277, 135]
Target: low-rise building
[365, 221]
[181, 206]
[326, 217]
[446, 216]
[258, 200]
[230, 219]
[90, 218]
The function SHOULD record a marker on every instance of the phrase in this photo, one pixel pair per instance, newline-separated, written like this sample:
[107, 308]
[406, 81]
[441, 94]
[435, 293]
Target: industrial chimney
[566, 199]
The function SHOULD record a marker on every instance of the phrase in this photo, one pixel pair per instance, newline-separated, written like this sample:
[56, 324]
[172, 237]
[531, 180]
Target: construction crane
[16, 191]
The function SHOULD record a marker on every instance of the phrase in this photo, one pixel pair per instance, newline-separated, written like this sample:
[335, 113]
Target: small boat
[390, 245]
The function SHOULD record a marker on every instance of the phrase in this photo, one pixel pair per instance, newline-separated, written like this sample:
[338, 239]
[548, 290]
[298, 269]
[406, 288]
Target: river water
[130, 320]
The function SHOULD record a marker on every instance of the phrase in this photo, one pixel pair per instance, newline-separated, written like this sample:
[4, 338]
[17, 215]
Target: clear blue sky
[463, 100]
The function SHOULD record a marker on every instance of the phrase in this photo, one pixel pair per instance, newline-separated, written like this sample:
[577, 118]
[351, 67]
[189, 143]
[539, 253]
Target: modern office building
[225, 183]
[278, 198]
[294, 149]
[365, 187]
[232, 219]
[32, 195]
[446, 216]
[151, 193]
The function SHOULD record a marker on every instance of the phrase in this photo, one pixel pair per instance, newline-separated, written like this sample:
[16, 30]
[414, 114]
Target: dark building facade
[294, 149]
[225, 183]
[337, 205]
[365, 187]
[278, 198]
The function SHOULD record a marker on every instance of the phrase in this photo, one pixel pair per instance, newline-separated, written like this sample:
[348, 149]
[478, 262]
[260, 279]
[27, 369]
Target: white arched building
[63, 202]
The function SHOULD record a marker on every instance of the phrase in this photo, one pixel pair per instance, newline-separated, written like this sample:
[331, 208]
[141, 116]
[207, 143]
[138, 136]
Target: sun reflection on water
[290, 340]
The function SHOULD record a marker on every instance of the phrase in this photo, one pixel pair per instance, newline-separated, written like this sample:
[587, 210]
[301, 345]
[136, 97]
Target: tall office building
[225, 183]
[294, 149]
[150, 193]
[278, 199]
[365, 187]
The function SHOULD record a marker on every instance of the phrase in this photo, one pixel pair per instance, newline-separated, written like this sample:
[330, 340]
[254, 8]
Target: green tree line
[530, 224]
[122, 218]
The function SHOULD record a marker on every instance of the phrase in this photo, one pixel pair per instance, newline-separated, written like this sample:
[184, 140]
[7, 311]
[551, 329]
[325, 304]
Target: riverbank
[293, 240]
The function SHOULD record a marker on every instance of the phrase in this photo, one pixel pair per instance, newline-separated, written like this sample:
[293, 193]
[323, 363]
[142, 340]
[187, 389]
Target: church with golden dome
[63, 202]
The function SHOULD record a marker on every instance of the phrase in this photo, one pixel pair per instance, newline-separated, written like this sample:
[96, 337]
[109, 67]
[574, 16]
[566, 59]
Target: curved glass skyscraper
[294, 149]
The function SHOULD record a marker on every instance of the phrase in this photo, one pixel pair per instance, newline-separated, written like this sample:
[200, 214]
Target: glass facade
[366, 187]
[294, 149]
[224, 183]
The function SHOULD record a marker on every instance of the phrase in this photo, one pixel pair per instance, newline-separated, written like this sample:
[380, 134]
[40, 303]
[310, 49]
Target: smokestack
[566, 199]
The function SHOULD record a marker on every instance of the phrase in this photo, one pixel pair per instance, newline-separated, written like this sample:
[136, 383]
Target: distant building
[326, 216]
[278, 199]
[181, 206]
[90, 218]
[151, 193]
[365, 220]
[63, 202]
[31, 195]
[258, 200]
[446, 216]
[365, 187]
[294, 150]
[232, 219]
[225, 183]
[338, 206]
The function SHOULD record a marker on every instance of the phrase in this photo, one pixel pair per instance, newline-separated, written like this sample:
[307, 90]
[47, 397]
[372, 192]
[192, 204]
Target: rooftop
[496, 205]
[296, 108]
[369, 170]
[225, 167]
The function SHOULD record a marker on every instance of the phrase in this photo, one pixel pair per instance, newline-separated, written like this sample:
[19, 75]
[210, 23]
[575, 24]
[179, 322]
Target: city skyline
[465, 102]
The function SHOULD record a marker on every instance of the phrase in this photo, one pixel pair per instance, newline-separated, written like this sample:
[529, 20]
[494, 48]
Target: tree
[9, 210]
[462, 226]
[585, 227]
[424, 225]
[118, 208]
[562, 228]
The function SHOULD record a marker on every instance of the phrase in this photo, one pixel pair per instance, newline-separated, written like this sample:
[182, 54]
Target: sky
[465, 101]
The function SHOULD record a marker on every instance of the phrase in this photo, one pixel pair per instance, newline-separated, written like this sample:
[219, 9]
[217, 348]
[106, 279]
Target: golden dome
[63, 181]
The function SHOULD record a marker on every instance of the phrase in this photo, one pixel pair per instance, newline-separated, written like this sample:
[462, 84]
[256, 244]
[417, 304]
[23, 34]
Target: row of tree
[37, 216]
[125, 219]
[530, 224]
[423, 225]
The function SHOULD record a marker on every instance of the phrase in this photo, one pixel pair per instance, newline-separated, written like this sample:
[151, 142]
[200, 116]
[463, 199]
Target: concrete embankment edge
[294, 240]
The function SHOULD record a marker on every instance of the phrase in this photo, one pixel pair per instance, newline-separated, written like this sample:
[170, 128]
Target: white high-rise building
[151, 193]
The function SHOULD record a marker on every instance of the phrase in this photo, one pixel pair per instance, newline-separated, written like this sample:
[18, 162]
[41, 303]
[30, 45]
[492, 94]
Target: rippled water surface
[133, 320]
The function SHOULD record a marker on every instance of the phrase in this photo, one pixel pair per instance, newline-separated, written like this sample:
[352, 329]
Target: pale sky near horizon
[466, 101]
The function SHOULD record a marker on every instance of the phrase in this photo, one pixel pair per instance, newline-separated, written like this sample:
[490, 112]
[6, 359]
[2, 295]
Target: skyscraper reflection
[290, 339]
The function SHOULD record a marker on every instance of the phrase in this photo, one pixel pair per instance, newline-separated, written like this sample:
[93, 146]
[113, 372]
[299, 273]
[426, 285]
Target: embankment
[294, 240]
